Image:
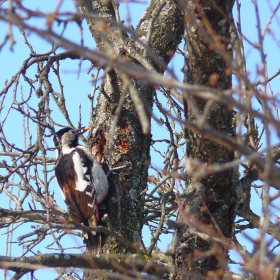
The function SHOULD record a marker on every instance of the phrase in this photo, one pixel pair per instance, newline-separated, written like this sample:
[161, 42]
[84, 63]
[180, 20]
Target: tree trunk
[210, 199]
[129, 144]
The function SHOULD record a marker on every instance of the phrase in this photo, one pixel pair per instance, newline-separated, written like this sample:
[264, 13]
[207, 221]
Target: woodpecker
[82, 181]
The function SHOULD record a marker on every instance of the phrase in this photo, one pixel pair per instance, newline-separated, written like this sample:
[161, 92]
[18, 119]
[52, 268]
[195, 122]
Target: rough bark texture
[128, 146]
[205, 65]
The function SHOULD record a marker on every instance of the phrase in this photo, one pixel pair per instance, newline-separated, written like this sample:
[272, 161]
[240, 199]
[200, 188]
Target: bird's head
[68, 137]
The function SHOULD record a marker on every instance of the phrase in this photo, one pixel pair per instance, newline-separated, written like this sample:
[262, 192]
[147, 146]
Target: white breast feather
[99, 177]
[81, 184]
[101, 187]
[66, 150]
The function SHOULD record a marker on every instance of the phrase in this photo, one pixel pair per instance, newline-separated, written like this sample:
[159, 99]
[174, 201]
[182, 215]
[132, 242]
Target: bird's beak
[82, 130]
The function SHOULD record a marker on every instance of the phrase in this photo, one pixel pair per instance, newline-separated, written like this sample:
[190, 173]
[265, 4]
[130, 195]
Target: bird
[82, 182]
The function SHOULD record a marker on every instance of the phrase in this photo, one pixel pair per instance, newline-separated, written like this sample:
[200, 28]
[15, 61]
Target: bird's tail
[92, 239]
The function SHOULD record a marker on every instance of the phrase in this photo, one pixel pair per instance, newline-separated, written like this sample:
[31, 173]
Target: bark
[210, 200]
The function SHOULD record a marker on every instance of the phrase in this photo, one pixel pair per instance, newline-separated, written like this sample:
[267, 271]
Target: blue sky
[77, 88]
